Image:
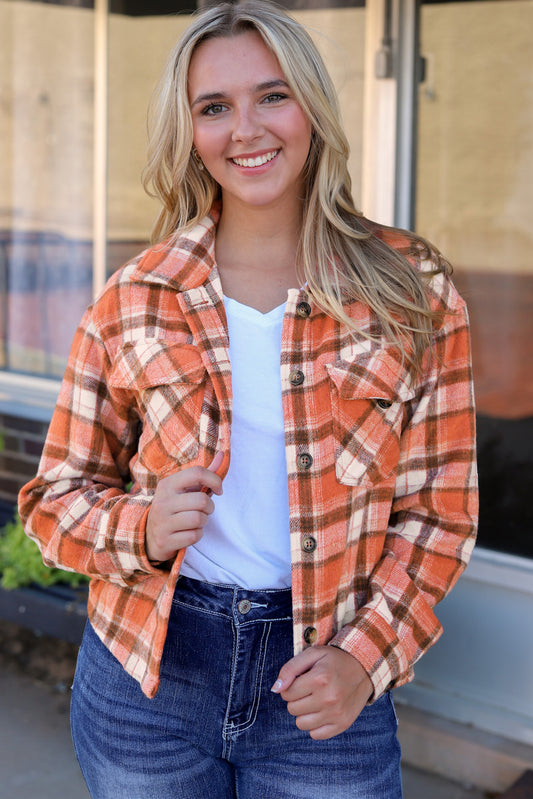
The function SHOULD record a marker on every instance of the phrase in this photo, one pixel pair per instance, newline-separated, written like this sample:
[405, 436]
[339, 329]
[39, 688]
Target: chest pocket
[368, 397]
[168, 383]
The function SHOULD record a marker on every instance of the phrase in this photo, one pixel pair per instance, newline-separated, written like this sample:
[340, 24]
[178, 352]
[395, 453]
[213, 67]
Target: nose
[248, 125]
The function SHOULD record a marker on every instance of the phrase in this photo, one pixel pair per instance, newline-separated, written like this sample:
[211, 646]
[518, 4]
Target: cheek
[209, 143]
[301, 130]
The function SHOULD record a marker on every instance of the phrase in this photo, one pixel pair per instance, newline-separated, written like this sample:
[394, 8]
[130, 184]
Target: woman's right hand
[180, 508]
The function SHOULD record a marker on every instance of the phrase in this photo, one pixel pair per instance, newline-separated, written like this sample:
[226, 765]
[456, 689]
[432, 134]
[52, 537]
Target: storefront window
[46, 130]
[475, 202]
[50, 123]
[138, 47]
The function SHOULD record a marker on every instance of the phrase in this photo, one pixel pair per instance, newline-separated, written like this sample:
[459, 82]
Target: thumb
[216, 462]
[213, 466]
[297, 665]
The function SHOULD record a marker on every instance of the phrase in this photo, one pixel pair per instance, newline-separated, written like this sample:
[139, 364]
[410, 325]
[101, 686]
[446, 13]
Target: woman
[313, 364]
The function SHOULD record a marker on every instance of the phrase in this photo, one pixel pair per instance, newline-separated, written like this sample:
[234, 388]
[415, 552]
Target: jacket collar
[183, 262]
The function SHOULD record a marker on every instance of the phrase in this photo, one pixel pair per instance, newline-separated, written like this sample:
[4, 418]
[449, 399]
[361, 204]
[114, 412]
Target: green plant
[21, 563]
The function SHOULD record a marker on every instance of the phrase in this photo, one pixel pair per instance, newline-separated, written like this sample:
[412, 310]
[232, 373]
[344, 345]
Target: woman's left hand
[325, 688]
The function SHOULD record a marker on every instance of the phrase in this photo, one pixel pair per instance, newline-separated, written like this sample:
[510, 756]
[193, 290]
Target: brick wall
[22, 442]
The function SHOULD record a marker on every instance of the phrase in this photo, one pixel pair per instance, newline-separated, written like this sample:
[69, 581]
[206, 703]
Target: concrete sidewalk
[37, 759]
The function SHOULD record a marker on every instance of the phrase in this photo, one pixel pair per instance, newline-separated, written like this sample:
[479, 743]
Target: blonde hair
[341, 257]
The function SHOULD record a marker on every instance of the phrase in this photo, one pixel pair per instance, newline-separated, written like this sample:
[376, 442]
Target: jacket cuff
[374, 643]
[121, 552]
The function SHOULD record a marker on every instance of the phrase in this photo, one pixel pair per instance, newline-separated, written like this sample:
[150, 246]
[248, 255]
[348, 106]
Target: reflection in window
[475, 201]
[47, 141]
[46, 86]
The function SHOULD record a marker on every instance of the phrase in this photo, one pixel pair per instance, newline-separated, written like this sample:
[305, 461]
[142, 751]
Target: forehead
[226, 60]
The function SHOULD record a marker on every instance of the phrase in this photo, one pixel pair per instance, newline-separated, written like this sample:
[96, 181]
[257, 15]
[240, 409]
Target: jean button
[244, 606]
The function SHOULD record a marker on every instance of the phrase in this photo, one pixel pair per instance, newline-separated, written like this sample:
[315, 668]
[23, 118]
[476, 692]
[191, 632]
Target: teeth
[259, 161]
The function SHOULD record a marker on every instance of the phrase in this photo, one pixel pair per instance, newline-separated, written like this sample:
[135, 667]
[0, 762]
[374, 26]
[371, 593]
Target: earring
[197, 158]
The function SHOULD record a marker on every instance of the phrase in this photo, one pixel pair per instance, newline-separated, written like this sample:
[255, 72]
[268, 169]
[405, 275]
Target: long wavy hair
[342, 256]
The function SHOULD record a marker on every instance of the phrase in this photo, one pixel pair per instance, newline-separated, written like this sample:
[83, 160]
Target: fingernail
[276, 688]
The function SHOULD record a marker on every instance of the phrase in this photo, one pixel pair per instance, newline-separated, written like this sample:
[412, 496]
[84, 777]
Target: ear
[196, 155]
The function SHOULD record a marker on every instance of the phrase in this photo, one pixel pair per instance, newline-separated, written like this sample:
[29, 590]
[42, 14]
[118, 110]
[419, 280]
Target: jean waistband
[266, 603]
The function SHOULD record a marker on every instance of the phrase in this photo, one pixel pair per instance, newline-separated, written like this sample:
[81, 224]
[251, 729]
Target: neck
[257, 235]
[256, 254]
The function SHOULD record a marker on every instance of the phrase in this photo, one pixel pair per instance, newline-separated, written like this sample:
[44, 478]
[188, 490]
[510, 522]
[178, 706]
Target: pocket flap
[152, 362]
[373, 375]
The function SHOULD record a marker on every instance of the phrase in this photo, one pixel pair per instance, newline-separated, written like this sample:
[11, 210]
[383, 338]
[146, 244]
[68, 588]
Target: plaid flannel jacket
[380, 466]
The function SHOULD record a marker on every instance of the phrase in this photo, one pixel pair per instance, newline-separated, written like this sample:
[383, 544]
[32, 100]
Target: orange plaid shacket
[380, 465]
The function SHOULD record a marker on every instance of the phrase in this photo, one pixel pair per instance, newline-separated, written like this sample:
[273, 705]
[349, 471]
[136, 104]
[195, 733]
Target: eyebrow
[276, 83]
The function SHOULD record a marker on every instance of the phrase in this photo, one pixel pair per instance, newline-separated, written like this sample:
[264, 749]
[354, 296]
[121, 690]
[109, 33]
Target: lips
[259, 160]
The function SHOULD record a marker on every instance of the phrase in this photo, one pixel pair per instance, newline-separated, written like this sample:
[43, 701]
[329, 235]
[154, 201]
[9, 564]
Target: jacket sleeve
[433, 520]
[77, 508]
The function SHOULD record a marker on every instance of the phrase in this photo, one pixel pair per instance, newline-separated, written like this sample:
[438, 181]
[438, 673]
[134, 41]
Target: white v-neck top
[246, 539]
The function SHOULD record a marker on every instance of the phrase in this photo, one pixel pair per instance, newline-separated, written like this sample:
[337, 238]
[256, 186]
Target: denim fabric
[214, 729]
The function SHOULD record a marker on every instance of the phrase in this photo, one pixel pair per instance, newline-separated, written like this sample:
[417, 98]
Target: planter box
[59, 611]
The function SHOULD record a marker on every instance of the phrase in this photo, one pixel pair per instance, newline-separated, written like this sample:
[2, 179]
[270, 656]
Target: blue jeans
[214, 729]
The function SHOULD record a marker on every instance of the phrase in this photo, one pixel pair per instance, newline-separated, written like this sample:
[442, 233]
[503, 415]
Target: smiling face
[248, 128]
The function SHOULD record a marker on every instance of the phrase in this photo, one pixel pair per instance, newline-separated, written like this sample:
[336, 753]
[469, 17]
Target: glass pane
[46, 86]
[138, 47]
[475, 202]
[339, 34]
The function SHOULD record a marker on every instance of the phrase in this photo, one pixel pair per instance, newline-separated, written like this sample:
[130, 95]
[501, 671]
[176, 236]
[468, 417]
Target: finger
[190, 501]
[177, 541]
[216, 463]
[185, 538]
[197, 478]
[167, 517]
[321, 725]
[187, 530]
[324, 732]
[213, 466]
[308, 722]
[188, 521]
[296, 666]
[304, 706]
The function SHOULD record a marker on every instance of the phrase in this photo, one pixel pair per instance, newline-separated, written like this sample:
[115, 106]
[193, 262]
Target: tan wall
[138, 49]
[475, 177]
[46, 110]
[475, 186]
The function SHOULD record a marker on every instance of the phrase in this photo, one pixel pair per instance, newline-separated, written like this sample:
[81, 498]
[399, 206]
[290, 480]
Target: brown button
[304, 460]
[310, 635]
[303, 309]
[244, 606]
[309, 543]
[296, 377]
[383, 403]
